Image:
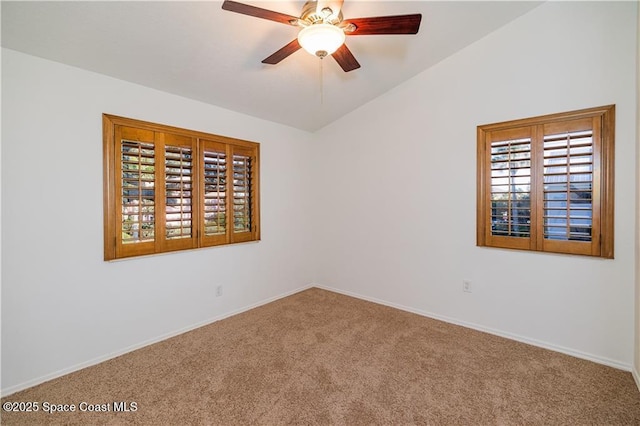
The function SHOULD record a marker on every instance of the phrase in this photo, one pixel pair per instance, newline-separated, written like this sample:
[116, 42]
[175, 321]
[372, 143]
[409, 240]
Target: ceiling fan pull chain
[321, 83]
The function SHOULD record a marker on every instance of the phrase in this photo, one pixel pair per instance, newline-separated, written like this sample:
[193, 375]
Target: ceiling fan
[323, 29]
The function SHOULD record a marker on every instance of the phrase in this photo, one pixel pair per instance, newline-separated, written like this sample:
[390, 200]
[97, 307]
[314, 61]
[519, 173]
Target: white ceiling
[199, 51]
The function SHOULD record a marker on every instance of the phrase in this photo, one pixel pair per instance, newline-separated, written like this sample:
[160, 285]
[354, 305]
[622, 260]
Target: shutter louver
[215, 193]
[241, 193]
[138, 192]
[511, 188]
[178, 191]
[568, 186]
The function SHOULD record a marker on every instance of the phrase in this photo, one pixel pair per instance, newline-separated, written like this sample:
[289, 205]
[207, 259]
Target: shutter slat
[138, 191]
[241, 193]
[510, 188]
[214, 198]
[566, 155]
[177, 175]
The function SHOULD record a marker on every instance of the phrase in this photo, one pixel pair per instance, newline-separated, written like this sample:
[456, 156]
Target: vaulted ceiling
[199, 51]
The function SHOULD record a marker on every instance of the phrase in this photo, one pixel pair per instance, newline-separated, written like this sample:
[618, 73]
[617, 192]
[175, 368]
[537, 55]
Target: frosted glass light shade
[321, 39]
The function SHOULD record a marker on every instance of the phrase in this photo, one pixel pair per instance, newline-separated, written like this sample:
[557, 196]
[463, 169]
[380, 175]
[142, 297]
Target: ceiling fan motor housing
[311, 14]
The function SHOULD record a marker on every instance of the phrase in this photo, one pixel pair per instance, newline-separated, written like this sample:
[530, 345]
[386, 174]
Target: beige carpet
[322, 358]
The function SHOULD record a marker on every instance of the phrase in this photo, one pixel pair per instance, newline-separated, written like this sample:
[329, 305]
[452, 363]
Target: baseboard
[34, 382]
[534, 342]
[496, 332]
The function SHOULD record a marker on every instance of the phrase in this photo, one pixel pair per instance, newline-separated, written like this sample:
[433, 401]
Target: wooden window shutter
[242, 221]
[546, 183]
[168, 189]
[176, 184]
[569, 215]
[136, 191]
[213, 194]
[508, 187]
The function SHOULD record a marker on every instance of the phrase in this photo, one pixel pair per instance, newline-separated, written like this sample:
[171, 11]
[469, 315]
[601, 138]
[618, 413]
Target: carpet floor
[319, 357]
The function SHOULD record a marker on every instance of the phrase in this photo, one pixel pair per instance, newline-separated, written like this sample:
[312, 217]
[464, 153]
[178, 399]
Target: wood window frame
[195, 143]
[602, 120]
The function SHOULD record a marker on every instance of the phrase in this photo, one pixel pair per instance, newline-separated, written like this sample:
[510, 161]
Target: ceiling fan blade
[345, 59]
[399, 24]
[290, 48]
[258, 12]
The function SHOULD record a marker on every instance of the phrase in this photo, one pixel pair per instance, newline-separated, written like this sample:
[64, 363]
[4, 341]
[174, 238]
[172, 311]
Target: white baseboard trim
[39, 380]
[636, 377]
[516, 337]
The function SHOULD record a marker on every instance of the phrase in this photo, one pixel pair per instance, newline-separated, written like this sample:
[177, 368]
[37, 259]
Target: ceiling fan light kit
[321, 39]
[324, 31]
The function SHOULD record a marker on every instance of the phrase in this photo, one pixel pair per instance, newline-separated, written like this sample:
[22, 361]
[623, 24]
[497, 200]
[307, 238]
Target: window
[546, 183]
[169, 189]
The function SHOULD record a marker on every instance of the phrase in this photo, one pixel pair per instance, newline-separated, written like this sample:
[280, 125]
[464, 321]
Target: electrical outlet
[466, 286]
[219, 291]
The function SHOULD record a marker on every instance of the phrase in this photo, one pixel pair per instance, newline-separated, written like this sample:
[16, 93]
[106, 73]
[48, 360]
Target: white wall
[62, 306]
[636, 369]
[398, 222]
[396, 225]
